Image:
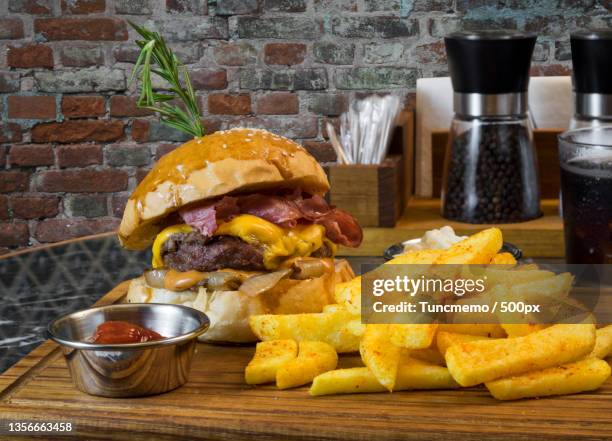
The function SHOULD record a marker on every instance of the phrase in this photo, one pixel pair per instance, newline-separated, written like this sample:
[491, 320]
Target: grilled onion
[155, 277]
[223, 281]
[308, 268]
[259, 284]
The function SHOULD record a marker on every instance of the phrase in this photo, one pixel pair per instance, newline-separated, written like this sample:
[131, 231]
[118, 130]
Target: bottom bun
[229, 311]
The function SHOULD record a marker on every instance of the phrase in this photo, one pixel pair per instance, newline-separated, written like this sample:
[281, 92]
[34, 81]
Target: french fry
[429, 355]
[556, 287]
[343, 271]
[603, 342]
[580, 376]
[550, 294]
[476, 362]
[314, 358]
[333, 307]
[478, 248]
[414, 374]
[417, 257]
[506, 275]
[492, 330]
[355, 327]
[503, 259]
[335, 328]
[269, 357]
[346, 381]
[445, 340]
[380, 355]
[349, 295]
[521, 329]
[411, 375]
[413, 336]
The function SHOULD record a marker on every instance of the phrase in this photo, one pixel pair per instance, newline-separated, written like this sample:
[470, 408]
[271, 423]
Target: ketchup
[117, 332]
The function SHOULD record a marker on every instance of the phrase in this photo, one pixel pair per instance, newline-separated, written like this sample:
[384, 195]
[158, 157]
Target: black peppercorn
[490, 175]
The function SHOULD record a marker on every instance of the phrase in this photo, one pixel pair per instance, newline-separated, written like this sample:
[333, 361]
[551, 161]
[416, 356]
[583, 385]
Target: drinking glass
[585, 156]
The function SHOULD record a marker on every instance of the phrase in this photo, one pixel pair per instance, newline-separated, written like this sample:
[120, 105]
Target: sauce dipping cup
[131, 369]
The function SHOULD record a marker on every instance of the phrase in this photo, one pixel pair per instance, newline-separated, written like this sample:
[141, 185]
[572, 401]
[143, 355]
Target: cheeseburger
[238, 226]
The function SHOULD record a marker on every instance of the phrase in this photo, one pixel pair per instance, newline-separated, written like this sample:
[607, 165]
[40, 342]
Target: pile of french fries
[513, 361]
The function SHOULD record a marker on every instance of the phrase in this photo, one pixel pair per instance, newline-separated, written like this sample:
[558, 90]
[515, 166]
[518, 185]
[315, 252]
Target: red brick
[34, 207]
[90, 29]
[278, 103]
[9, 82]
[79, 155]
[335, 122]
[10, 132]
[11, 28]
[34, 7]
[211, 125]
[121, 105]
[118, 205]
[284, 53]
[83, 6]
[32, 55]
[208, 78]
[82, 55]
[226, 104]
[82, 106]
[431, 53]
[31, 107]
[322, 151]
[14, 234]
[140, 130]
[82, 181]
[163, 149]
[2, 156]
[302, 127]
[551, 70]
[13, 181]
[189, 6]
[141, 173]
[78, 131]
[235, 54]
[31, 155]
[55, 230]
[4, 213]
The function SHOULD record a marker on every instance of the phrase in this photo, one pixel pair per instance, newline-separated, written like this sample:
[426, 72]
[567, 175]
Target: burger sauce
[118, 332]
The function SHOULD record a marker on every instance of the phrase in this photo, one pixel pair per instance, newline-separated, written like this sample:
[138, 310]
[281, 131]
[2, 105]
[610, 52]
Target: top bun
[231, 161]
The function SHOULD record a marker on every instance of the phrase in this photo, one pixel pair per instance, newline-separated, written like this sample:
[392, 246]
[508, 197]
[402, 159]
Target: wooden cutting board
[217, 404]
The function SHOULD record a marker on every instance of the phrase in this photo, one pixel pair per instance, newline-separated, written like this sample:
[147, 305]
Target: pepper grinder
[490, 170]
[592, 78]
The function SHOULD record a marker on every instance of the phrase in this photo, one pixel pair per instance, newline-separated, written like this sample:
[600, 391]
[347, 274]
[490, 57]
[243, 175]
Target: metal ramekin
[134, 369]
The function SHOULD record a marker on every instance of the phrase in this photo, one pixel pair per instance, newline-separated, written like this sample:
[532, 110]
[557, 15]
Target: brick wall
[73, 144]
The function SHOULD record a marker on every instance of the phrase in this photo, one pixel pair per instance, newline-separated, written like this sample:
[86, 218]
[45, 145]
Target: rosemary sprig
[157, 58]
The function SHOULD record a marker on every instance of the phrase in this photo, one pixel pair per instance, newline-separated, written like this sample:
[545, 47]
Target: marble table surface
[42, 284]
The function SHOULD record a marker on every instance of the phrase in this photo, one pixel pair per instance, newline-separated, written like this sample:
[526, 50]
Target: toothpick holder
[373, 194]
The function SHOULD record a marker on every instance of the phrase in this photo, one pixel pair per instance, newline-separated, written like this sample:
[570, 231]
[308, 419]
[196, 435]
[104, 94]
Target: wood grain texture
[390, 199]
[373, 194]
[542, 237]
[217, 404]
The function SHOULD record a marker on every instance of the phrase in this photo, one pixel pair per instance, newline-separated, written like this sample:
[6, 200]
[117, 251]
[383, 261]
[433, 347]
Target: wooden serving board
[217, 404]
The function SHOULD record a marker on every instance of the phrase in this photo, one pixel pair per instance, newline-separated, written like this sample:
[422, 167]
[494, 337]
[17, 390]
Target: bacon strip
[283, 210]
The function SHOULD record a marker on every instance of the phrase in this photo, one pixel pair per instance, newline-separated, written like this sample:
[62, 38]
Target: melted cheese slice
[278, 243]
[162, 237]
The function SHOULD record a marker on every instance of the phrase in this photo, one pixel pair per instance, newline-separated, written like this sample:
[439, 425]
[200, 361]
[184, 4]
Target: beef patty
[192, 251]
